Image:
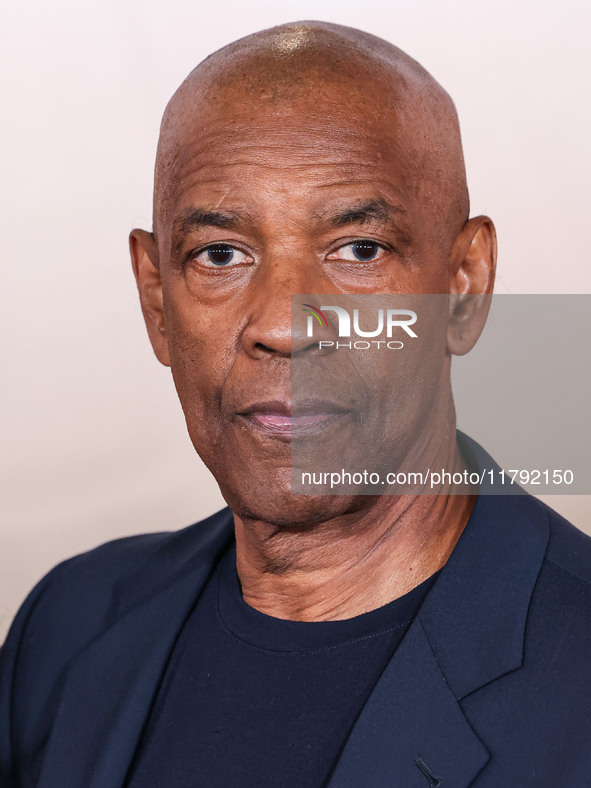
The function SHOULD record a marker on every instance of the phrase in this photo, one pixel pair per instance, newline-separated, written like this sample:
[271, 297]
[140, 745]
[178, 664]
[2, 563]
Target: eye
[220, 256]
[365, 250]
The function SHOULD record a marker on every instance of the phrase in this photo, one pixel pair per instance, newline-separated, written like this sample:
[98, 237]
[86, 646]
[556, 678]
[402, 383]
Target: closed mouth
[279, 420]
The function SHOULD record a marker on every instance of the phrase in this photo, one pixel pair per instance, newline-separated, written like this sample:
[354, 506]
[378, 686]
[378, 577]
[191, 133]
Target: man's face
[317, 195]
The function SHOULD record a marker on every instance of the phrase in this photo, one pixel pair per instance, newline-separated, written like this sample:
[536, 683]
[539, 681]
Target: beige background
[93, 440]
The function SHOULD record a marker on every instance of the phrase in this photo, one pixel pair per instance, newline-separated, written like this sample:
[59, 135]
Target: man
[348, 640]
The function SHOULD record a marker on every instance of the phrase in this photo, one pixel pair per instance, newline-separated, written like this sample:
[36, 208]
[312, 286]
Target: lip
[275, 418]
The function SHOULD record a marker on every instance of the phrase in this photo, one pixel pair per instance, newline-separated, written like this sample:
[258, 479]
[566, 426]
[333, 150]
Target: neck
[352, 563]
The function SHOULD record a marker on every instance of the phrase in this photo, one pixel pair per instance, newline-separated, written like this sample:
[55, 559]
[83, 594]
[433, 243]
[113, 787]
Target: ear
[471, 280]
[144, 259]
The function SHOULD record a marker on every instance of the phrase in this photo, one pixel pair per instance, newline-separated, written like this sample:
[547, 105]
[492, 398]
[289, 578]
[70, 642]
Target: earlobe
[472, 275]
[144, 259]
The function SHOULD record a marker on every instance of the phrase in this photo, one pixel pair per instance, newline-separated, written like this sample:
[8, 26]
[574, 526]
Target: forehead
[320, 146]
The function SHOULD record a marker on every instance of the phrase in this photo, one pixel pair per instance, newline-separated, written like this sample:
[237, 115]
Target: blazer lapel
[410, 728]
[115, 679]
[470, 630]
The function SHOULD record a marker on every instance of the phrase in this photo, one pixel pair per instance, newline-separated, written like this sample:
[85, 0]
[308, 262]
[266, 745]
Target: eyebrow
[371, 210]
[197, 218]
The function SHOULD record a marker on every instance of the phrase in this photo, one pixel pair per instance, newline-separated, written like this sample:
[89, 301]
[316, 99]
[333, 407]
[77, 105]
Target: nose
[278, 322]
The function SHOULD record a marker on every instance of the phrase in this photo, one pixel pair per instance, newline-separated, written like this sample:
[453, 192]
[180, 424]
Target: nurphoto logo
[387, 321]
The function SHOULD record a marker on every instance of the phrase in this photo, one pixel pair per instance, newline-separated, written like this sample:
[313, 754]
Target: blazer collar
[476, 613]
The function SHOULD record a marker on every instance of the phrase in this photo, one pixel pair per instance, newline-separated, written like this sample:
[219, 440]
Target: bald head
[319, 71]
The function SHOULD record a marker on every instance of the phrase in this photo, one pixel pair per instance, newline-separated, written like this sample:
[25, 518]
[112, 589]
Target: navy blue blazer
[490, 687]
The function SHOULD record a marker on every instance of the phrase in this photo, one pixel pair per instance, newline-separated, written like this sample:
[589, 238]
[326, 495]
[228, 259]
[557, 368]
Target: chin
[274, 503]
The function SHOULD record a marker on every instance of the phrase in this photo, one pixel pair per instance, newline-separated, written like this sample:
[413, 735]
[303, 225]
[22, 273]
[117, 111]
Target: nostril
[264, 347]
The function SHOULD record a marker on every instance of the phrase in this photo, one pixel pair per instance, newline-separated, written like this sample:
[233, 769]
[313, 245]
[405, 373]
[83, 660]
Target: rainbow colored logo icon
[311, 310]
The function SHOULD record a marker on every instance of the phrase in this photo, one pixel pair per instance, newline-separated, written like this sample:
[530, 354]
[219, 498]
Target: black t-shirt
[250, 700]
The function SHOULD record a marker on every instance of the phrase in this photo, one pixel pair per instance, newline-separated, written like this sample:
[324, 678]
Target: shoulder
[77, 601]
[116, 559]
[85, 583]
[81, 596]
[564, 545]
[107, 565]
[568, 553]
[560, 609]
[569, 547]
[555, 556]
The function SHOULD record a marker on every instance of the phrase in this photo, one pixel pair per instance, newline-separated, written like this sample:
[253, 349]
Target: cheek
[406, 386]
[201, 357]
